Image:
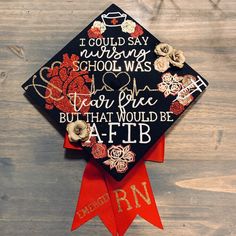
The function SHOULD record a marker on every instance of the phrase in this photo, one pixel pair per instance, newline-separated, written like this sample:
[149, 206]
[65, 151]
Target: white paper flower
[128, 26]
[100, 25]
[78, 130]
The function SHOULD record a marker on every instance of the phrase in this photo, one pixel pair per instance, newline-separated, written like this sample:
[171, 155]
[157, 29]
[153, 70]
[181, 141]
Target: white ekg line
[135, 92]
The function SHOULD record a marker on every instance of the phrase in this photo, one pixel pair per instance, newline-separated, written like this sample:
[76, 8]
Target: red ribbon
[117, 202]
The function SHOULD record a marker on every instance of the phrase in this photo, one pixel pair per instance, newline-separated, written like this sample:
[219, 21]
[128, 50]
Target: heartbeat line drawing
[134, 91]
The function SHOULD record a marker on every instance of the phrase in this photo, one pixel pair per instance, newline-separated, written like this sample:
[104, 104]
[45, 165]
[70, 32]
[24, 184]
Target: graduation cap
[115, 89]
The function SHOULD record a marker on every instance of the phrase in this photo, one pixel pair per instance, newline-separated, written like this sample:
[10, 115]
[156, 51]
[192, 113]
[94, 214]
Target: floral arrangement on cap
[80, 131]
[168, 56]
[118, 156]
[97, 29]
[128, 26]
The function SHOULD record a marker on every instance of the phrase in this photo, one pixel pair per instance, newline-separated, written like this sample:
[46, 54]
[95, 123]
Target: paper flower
[99, 150]
[163, 49]
[99, 25]
[168, 53]
[128, 26]
[176, 107]
[161, 64]
[119, 157]
[177, 58]
[78, 130]
[137, 32]
[94, 33]
[97, 29]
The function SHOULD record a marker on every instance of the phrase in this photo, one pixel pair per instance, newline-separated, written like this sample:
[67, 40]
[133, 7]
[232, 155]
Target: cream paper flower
[100, 25]
[128, 26]
[177, 58]
[161, 64]
[163, 49]
[78, 130]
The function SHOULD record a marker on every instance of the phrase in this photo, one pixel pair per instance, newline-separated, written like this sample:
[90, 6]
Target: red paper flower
[99, 150]
[176, 107]
[65, 80]
[137, 32]
[94, 33]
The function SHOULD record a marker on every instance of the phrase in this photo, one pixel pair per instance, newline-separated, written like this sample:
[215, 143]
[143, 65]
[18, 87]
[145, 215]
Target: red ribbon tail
[152, 215]
[94, 200]
[157, 151]
[109, 223]
[118, 203]
[133, 196]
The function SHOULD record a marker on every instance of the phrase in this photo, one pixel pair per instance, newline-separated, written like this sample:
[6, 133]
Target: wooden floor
[195, 188]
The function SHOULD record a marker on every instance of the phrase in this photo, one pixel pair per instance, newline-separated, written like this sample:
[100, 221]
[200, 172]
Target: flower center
[165, 49]
[77, 130]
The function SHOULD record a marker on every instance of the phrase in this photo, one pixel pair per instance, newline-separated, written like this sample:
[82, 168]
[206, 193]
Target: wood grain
[194, 188]
[225, 184]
